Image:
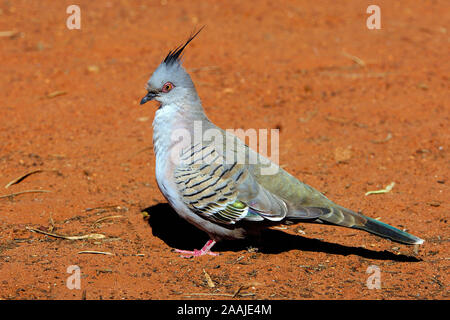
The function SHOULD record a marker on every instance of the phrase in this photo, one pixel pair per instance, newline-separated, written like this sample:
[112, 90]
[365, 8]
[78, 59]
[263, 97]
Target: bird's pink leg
[197, 253]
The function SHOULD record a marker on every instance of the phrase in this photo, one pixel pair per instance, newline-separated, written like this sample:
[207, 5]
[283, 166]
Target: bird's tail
[344, 217]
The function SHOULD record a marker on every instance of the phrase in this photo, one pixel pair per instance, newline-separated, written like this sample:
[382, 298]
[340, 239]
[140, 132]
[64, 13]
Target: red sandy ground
[274, 64]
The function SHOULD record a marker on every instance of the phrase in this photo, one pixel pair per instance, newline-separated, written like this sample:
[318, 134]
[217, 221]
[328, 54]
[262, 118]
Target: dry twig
[208, 279]
[355, 59]
[23, 192]
[96, 252]
[26, 175]
[82, 237]
[107, 218]
[55, 94]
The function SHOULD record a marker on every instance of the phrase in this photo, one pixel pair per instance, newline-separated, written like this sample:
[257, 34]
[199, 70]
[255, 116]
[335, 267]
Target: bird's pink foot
[197, 253]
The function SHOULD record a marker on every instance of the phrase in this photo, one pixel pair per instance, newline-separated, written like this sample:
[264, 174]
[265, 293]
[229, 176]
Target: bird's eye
[167, 87]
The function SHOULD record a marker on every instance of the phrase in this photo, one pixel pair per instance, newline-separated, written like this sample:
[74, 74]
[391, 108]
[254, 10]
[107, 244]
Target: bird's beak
[150, 96]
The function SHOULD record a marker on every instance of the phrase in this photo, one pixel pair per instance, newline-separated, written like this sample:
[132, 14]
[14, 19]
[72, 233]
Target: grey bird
[207, 183]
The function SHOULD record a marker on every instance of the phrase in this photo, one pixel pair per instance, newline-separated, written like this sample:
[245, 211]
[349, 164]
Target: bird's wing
[226, 192]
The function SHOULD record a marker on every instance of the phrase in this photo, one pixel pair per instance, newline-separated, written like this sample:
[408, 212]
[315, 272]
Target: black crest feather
[175, 54]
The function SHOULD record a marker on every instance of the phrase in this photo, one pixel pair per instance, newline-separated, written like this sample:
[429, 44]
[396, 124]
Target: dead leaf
[385, 190]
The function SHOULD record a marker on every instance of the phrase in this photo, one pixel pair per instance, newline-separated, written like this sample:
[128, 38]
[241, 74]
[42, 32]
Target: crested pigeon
[207, 185]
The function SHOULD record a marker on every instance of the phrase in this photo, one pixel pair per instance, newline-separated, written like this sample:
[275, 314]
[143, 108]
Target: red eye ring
[167, 87]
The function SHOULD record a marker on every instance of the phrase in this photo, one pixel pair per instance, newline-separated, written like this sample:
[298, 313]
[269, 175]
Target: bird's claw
[196, 253]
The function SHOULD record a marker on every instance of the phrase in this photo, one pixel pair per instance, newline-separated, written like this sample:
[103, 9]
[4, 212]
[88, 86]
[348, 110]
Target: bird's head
[170, 83]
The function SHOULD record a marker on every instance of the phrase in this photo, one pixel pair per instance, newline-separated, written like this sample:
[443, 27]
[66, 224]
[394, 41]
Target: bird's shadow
[178, 233]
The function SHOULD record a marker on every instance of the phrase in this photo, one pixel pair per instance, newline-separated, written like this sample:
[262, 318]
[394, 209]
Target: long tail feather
[344, 217]
[384, 230]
